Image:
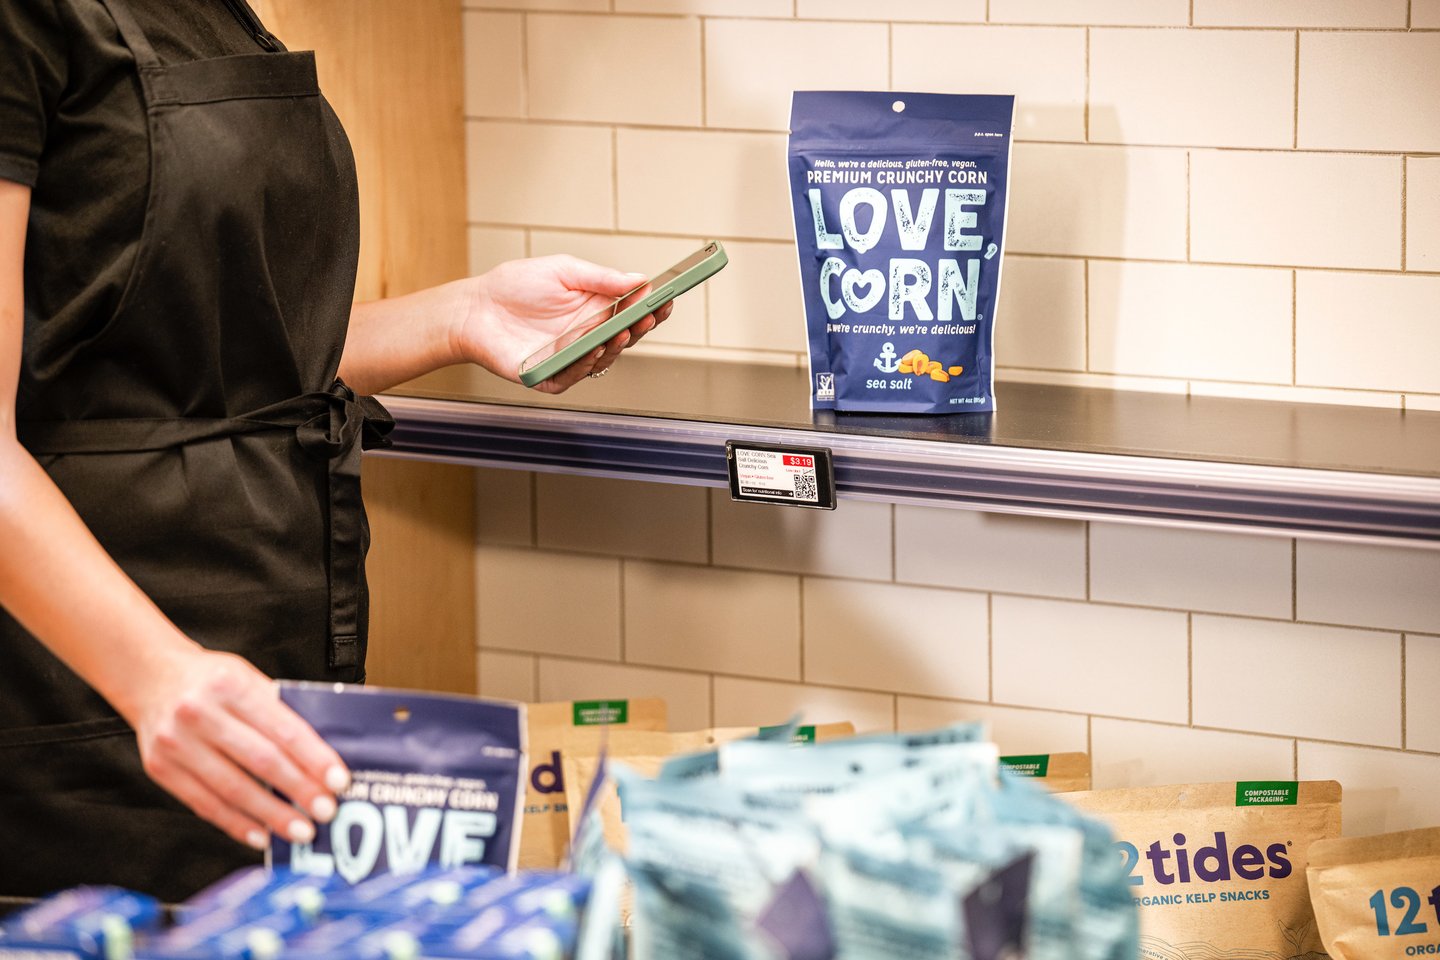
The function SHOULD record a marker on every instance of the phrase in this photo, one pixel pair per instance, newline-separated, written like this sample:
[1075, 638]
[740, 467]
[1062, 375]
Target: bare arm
[495, 320]
[205, 721]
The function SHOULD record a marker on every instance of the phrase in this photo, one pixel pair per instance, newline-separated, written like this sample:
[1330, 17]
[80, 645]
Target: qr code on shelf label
[806, 488]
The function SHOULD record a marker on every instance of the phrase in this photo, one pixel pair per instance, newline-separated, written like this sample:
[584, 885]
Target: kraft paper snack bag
[437, 779]
[1378, 897]
[899, 202]
[647, 753]
[545, 830]
[1057, 772]
[1218, 869]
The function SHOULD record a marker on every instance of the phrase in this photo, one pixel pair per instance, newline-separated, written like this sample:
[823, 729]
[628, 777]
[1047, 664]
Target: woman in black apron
[180, 512]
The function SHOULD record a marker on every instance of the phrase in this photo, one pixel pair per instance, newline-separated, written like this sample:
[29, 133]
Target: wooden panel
[393, 72]
[422, 574]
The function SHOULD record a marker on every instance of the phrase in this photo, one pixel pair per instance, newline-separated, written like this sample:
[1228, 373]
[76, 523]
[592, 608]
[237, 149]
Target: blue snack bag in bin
[899, 202]
[438, 781]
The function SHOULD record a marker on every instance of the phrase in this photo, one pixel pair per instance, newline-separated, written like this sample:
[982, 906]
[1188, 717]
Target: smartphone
[585, 335]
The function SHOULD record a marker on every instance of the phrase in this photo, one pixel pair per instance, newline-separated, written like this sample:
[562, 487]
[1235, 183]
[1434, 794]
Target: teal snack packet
[438, 780]
[899, 203]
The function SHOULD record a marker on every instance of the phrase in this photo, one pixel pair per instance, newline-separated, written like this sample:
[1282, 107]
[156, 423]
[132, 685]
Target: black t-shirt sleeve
[33, 57]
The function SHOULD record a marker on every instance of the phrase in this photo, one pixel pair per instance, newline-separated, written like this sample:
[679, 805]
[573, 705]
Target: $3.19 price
[1407, 900]
[793, 461]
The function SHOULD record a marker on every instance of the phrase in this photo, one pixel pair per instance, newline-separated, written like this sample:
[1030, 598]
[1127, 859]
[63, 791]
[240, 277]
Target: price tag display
[799, 476]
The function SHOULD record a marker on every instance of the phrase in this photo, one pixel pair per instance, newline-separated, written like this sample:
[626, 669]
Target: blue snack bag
[85, 923]
[900, 202]
[438, 780]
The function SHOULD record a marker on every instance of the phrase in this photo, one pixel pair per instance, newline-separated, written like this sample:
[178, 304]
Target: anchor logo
[887, 362]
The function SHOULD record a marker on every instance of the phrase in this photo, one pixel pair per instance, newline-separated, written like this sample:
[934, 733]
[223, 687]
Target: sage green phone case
[600, 327]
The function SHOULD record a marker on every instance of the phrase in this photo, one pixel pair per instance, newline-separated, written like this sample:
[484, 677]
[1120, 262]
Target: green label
[1266, 793]
[1034, 765]
[804, 734]
[596, 713]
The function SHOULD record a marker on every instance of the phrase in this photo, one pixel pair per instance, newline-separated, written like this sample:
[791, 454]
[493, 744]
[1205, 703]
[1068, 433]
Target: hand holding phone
[598, 328]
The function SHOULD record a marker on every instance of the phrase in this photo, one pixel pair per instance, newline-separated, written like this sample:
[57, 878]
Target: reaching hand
[212, 727]
[520, 306]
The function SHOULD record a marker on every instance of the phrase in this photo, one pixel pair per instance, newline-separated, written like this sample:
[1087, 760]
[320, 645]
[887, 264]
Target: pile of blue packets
[471, 913]
[914, 846]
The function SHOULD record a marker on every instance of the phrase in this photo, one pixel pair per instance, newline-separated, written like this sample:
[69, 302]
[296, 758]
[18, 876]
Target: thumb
[579, 274]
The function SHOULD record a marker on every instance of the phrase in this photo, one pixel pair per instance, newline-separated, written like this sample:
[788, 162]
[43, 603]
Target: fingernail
[323, 809]
[639, 276]
[599, 353]
[337, 778]
[300, 831]
[258, 839]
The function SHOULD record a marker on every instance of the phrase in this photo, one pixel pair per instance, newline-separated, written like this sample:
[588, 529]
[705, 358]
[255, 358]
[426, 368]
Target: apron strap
[152, 72]
[333, 426]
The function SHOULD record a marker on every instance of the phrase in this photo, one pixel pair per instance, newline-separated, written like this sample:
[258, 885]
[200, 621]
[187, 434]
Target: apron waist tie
[333, 426]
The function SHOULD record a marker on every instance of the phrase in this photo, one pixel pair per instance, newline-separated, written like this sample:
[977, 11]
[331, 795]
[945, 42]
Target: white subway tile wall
[851, 640]
[1014, 729]
[1279, 133]
[1190, 569]
[1291, 208]
[1327, 683]
[1089, 658]
[1367, 586]
[1385, 790]
[1422, 679]
[1395, 346]
[1422, 212]
[686, 695]
[507, 676]
[1202, 202]
[799, 611]
[1131, 754]
[749, 703]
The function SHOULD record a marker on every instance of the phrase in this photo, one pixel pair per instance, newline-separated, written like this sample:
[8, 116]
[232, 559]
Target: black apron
[202, 434]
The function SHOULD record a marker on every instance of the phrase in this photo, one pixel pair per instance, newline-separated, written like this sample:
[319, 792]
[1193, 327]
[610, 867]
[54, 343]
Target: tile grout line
[894, 555]
[1294, 329]
[1188, 216]
[1192, 13]
[1087, 561]
[1087, 81]
[1404, 710]
[1035, 254]
[614, 178]
[1086, 283]
[1404, 210]
[1295, 580]
[704, 80]
[1295, 758]
[1190, 669]
[970, 589]
[711, 678]
[801, 614]
[1295, 117]
[779, 132]
[990, 645]
[931, 698]
[621, 619]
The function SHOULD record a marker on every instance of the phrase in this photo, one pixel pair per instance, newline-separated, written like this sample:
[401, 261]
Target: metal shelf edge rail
[1290, 501]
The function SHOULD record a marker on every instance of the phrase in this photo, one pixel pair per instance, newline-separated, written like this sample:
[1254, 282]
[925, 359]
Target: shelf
[1293, 469]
